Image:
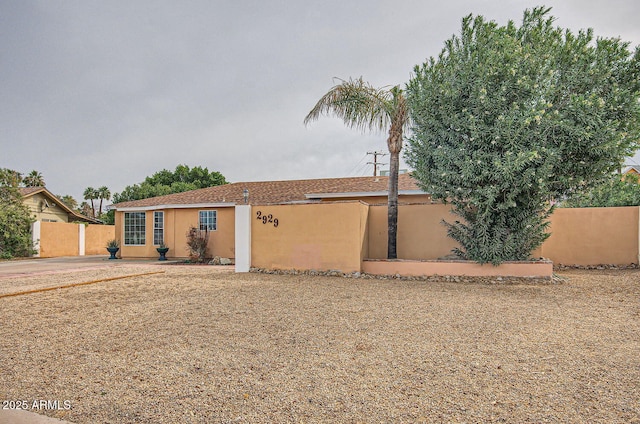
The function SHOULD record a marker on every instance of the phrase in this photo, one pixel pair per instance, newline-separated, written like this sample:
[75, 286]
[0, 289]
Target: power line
[375, 162]
[357, 164]
[362, 170]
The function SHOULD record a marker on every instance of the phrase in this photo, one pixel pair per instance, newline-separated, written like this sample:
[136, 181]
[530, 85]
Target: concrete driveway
[16, 268]
[26, 267]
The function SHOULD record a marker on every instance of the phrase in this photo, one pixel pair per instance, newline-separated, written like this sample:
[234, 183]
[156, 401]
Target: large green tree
[10, 177]
[508, 118]
[15, 218]
[164, 182]
[365, 107]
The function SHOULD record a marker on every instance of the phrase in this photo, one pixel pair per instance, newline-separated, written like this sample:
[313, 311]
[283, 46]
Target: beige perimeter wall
[310, 236]
[63, 239]
[421, 234]
[338, 235]
[58, 239]
[96, 238]
[593, 236]
[579, 236]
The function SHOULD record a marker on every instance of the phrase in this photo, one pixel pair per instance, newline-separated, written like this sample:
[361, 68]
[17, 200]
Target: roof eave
[172, 206]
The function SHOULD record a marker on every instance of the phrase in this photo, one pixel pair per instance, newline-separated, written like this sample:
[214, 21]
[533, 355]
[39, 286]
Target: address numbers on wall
[267, 219]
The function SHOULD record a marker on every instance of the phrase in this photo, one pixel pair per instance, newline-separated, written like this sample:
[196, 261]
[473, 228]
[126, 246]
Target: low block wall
[458, 268]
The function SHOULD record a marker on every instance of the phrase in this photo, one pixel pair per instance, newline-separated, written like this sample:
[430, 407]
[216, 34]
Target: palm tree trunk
[392, 202]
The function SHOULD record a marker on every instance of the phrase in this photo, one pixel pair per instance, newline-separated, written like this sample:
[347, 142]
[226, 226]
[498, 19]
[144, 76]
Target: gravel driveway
[195, 346]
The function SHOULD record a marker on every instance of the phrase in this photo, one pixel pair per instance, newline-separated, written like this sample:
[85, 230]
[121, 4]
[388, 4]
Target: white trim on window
[158, 228]
[210, 221]
[134, 231]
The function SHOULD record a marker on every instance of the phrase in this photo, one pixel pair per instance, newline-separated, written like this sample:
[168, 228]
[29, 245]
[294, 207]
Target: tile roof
[267, 192]
[25, 191]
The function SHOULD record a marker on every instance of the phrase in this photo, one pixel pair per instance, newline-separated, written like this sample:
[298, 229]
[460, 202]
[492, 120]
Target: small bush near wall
[197, 241]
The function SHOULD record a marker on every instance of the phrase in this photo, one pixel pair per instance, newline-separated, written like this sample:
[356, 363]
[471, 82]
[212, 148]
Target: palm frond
[358, 104]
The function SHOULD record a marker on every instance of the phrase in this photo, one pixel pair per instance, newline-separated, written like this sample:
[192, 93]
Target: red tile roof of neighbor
[266, 192]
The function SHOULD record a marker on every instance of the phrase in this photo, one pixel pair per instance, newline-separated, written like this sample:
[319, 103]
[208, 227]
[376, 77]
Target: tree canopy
[15, 218]
[508, 118]
[33, 179]
[164, 182]
[615, 190]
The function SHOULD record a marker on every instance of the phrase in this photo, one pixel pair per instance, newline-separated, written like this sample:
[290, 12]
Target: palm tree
[33, 179]
[84, 209]
[103, 193]
[91, 193]
[364, 107]
[68, 200]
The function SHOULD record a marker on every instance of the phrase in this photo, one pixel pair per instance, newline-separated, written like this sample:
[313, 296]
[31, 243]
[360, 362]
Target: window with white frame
[134, 229]
[208, 220]
[158, 228]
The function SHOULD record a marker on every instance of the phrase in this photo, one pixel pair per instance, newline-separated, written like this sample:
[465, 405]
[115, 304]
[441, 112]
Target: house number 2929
[267, 219]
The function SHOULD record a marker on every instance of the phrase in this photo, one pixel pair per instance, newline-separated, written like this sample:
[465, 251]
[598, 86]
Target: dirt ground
[194, 346]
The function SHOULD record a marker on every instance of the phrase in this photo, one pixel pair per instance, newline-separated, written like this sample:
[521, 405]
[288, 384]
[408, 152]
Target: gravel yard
[195, 346]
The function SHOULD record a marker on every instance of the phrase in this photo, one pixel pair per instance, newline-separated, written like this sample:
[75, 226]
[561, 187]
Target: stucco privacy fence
[53, 239]
[352, 237]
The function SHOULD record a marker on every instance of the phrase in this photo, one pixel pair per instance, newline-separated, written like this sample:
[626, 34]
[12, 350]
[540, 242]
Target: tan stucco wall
[421, 234]
[322, 236]
[579, 236]
[63, 239]
[593, 236]
[52, 213]
[96, 238]
[337, 235]
[58, 239]
[176, 226]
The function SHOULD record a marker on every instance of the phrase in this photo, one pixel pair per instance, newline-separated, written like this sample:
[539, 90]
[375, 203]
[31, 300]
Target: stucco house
[142, 225]
[46, 207]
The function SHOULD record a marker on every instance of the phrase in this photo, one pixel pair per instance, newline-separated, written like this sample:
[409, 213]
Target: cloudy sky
[107, 92]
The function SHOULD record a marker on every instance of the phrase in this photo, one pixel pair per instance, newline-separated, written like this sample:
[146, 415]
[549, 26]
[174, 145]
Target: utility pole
[375, 162]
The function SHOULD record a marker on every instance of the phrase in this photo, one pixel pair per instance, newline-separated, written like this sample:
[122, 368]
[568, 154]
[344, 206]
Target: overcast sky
[106, 92]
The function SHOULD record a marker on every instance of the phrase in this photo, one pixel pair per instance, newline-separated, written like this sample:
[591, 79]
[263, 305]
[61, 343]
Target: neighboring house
[46, 207]
[142, 225]
[631, 169]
